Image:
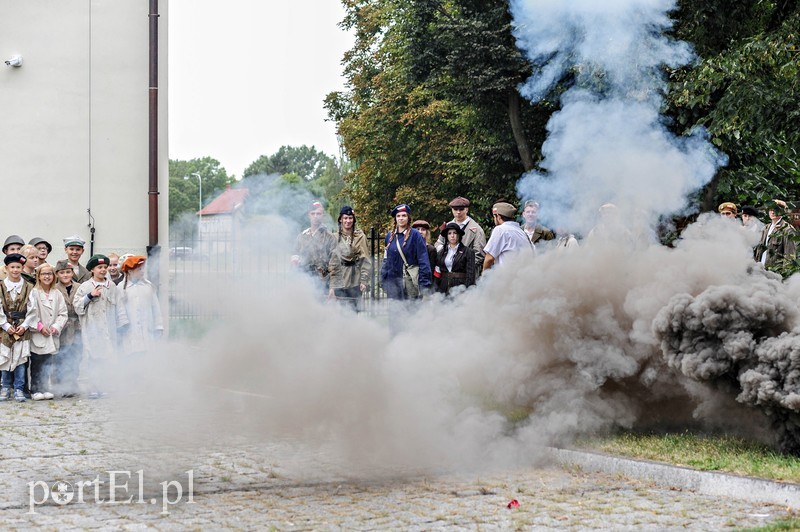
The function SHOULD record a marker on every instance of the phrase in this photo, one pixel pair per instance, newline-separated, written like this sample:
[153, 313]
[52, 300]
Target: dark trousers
[349, 297]
[67, 366]
[26, 388]
[41, 371]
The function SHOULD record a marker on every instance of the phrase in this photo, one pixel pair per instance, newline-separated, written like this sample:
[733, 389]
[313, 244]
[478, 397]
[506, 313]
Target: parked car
[186, 253]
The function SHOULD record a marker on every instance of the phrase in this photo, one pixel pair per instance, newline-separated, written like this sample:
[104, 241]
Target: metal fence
[203, 271]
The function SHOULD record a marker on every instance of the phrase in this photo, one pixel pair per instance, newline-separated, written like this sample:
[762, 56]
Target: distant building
[221, 220]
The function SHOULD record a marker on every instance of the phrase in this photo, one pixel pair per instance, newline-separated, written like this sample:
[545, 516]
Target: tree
[432, 109]
[184, 194]
[745, 92]
[305, 161]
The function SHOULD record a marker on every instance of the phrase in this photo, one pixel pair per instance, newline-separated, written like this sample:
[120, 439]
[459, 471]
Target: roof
[228, 202]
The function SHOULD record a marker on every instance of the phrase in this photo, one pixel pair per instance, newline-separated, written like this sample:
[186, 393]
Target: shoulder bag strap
[400, 249]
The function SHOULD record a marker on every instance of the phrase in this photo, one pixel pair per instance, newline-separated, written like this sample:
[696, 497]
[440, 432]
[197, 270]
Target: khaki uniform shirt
[351, 263]
[313, 250]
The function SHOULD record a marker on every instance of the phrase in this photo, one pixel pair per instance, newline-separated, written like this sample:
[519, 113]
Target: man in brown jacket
[535, 231]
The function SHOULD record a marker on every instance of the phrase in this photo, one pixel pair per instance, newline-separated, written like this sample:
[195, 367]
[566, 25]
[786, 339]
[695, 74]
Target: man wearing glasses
[474, 237]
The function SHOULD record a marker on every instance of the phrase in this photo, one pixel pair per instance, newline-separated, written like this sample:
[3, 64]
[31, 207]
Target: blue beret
[401, 208]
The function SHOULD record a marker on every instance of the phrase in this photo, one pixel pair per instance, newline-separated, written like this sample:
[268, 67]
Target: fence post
[373, 237]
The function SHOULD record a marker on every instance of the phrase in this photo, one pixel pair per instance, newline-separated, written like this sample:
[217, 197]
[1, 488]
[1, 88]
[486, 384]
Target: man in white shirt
[507, 237]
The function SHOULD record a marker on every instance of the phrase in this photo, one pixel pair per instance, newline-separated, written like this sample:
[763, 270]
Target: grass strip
[722, 453]
[783, 524]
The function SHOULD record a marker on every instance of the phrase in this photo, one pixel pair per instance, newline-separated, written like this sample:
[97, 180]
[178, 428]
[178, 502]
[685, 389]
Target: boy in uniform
[12, 245]
[102, 314]
[16, 320]
[69, 354]
[43, 246]
[73, 247]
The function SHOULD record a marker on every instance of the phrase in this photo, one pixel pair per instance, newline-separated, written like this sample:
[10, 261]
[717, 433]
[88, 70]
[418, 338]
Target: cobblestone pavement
[284, 486]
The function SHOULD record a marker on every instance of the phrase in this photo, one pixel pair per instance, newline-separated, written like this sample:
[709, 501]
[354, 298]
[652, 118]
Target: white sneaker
[38, 396]
[48, 395]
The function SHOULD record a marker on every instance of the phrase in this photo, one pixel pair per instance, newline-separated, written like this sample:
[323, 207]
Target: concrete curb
[705, 482]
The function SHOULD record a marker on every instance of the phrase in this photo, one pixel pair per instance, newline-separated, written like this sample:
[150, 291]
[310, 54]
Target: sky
[249, 76]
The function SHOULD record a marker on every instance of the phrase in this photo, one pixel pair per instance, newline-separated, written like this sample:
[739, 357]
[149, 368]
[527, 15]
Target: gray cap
[13, 239]
[35, 241]
[74, 240]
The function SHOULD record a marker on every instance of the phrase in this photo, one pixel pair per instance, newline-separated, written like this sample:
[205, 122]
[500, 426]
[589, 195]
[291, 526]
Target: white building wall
[74, 122]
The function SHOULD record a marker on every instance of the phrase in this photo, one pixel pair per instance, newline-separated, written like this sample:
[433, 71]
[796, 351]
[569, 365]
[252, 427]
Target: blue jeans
[19, 377]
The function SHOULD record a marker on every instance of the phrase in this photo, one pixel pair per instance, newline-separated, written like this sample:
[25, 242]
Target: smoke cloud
[608, 143]
[620, 332]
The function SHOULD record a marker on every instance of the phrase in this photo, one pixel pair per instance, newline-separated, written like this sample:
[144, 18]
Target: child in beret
[97, 303]
[16, 320]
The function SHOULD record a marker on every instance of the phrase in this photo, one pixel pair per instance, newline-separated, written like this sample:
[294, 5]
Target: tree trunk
[707, 202]
[515, 116]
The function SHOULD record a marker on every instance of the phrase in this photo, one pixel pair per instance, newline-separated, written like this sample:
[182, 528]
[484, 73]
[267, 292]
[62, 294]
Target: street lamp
[199, 211]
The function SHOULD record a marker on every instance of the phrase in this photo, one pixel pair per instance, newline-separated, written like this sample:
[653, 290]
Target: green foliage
[429, 111]
[184, 193]
[297, 174]
[746, 95]
[304, 161]
[427, 115]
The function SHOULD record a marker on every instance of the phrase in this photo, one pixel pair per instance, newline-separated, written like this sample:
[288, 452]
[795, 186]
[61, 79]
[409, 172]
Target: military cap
[749, 210]
[728, 207]
[779, 206]
[35, 241]
[63, 265]
[316, 204]
[14, 257]
[74, 240]
[504, 209]
[459, 202]
[401, 208]
[95, 261]
[13, 239]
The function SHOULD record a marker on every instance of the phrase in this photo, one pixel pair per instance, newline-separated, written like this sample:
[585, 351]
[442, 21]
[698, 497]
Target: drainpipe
[153, 248]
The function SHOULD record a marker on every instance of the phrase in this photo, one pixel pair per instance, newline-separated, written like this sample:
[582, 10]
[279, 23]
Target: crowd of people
[60, 320]
[777, 245]
[412, 265]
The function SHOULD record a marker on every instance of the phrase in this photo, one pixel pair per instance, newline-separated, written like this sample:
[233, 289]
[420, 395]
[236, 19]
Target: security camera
[15, 61]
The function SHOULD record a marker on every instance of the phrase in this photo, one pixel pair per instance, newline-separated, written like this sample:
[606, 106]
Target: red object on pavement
[513, 504]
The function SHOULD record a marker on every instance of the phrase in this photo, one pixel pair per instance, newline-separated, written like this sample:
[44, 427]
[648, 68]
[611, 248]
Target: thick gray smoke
[741, 337]
[618, 332]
